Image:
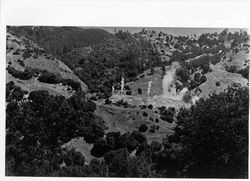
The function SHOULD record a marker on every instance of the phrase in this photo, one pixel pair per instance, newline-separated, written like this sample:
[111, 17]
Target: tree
[232, 69]
[117, 162]
[203, 79]
[100, 148]
[183, 74]
[244, 72]
[197, 77]
[37, 129]
[143, 128]
[139, 91]
[121, 164]
[213, 135]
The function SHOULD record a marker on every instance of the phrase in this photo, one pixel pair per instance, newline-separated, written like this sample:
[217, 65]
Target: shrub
[100, 148]
[26, 55]
[162, 109]
[129, 92]
[183, 74]
[217, 83]
[152, 128]
[23, 75]
[73, 157]
[143, 106]
[107, 101]
[172, 110]
[143, 128]
[139, 91]
[14, 92]
[142, 76]
[48, 77]
[193, 84]
[150, 106]
[16, 52]
[231, 69]
[167, 114]
[244, 72]
[205, 68]
[21, 63]
[187, 98]
[145, 114]
[122, 103]
[203, 79]
[126, 87]
[75, 85]
[197, 77]
[167, 117]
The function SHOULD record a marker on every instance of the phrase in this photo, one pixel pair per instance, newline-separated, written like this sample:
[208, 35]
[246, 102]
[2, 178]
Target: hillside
[97, 57]
[27, 63]
[124, 101]
[223, 56]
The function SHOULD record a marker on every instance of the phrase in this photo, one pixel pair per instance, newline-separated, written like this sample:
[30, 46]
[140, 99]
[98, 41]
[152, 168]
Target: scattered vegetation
[51, 78]
[210, 139]
[23, 75]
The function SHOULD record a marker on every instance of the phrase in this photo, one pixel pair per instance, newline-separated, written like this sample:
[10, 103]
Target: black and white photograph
[126, 101]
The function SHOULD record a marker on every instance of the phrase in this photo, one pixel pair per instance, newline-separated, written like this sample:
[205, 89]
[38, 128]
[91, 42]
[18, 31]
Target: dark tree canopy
[213, 135]
[37, 128]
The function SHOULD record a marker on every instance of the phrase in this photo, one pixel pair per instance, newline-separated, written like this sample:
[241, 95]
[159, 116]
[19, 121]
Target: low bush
[231, 69]
[182, 74]
[167, 118]
[197, 77]
[75, 85]
[122, 103]
[107, 101]
[21, 63]
[193, 84]
[150, 106]
[145, 114]
[244, 72]
[26, 55]
[23, 75]
[139, 91]
[143, 128]
[129, 92]
[167, 114]
[217, 83]
[203, 79]
[143, 106]
[48, 77]
[16, 52]
[187, 98]
[14, 92]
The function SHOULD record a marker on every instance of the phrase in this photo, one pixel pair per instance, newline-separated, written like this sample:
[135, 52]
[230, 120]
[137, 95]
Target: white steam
[194, 99]
[168, 84]
[149, 87]
[122, 85]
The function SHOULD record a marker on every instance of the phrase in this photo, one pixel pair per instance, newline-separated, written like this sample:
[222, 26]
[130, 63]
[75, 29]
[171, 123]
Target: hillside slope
[26, 62]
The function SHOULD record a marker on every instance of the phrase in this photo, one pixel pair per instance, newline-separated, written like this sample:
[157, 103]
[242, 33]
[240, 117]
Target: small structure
[149, 87]
[122, 85]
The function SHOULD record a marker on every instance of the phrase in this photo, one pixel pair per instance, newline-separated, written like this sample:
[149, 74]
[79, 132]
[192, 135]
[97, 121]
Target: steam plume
[169, 89]
[149, 87]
